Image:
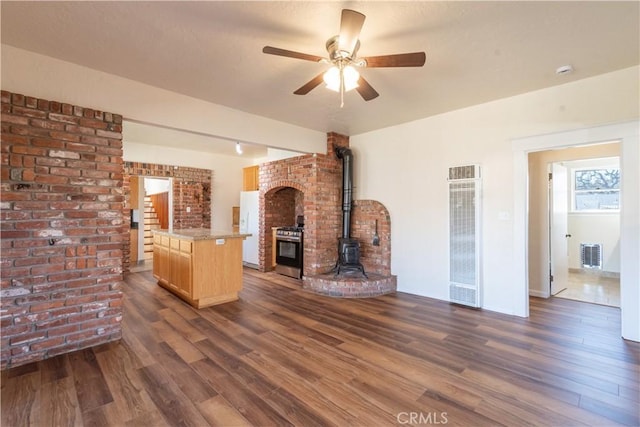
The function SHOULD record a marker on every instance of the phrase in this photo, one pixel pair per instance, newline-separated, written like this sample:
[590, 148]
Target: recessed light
[565, 69]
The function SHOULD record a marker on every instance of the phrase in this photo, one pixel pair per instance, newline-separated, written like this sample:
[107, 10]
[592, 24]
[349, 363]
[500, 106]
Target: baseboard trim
[251, 265]
[539, 294]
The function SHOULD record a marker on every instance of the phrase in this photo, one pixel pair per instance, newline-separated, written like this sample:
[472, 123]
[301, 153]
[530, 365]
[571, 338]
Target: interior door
[558, 228]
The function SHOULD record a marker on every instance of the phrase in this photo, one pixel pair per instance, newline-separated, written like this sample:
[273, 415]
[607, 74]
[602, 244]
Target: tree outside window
[597, 189]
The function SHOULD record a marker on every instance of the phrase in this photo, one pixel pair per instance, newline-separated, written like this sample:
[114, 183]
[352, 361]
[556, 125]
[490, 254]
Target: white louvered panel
[462, 232]
[591, 255]
[464, 235]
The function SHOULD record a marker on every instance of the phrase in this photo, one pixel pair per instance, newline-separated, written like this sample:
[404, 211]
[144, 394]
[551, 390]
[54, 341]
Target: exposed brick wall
[62, 228]
[281, 206]
[191, 188]
[311, 185]
[317, 179]
[363, 226]
[191, 204]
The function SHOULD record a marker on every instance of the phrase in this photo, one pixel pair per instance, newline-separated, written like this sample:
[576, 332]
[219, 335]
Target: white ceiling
[212, 50]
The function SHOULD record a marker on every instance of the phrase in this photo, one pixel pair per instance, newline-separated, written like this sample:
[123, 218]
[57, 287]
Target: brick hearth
[347, 286]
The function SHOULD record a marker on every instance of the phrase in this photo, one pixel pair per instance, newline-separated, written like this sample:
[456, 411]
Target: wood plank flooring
[281, 357]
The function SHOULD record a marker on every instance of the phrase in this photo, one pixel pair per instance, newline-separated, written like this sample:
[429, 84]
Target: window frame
[574, 191]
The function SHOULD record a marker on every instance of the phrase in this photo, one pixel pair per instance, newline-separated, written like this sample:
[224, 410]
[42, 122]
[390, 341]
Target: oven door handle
[288, 239]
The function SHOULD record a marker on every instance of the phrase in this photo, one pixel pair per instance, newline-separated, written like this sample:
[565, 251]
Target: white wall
[155, 186]
[595, 228]
[37, 75]
[274, 154]
[405, 168]
[227, 174]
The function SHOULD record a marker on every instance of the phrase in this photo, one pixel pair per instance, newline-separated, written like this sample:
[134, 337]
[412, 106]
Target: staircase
[151, 222]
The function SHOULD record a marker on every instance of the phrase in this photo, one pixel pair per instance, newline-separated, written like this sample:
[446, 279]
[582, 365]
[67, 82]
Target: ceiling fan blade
[311, 84]
[291, 54]
[365, 90]
[350, 27]
[415, 59]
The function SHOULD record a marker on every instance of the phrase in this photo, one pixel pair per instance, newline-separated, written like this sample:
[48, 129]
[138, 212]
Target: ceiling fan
[343, 51]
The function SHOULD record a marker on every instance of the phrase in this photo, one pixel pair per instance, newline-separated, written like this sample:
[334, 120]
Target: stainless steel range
[289, 250]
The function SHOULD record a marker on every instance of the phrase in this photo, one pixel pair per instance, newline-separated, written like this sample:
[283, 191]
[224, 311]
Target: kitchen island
[201, 266]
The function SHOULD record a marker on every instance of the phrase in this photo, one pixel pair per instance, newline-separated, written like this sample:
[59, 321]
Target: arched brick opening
[317, 177]
[374, 258]
[279, 204]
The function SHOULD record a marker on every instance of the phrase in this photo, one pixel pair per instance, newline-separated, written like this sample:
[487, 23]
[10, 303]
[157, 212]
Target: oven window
[287, 249]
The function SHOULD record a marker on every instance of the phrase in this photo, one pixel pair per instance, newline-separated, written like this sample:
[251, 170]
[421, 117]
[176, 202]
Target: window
[596, 189]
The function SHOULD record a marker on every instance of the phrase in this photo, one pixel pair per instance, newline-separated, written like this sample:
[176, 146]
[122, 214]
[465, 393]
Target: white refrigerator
[249, 224]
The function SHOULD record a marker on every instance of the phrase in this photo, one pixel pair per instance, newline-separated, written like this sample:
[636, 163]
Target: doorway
[628, 135]
[584, 226]
[151, 201]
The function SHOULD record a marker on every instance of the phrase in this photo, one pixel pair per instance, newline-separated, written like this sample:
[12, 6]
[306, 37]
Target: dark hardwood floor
[281, 356]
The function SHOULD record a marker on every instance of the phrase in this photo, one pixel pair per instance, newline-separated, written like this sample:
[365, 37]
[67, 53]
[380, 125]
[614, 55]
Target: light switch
[188, 209]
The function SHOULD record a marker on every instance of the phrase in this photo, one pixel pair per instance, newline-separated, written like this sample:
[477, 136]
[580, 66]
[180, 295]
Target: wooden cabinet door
[250, 178]
[156, 260]
[184, 279]
[174, 262]
[161, 263]
[180, 267]
[133, 246]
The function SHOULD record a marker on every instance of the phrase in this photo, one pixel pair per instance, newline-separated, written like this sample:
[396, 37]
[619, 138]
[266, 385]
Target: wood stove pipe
[346, 155]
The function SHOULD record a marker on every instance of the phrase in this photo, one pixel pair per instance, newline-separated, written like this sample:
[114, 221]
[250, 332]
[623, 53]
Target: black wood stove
[348, 249]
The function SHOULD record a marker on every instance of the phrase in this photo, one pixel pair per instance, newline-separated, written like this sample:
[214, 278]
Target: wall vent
[464, 235]
[591, 255]
[464, 172]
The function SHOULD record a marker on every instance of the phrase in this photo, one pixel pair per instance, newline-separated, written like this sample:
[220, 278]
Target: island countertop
[201, 234]
[199, 265]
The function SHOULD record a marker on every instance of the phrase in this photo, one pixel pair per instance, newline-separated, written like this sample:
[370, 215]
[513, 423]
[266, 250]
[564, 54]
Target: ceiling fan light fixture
[343, 57]
[332, 79]
[349, 75]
